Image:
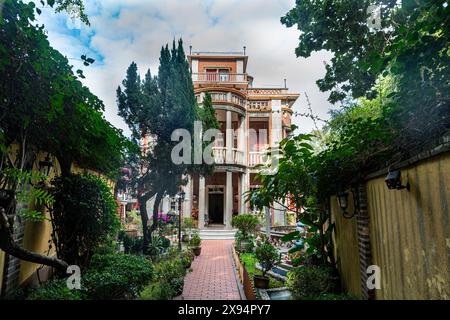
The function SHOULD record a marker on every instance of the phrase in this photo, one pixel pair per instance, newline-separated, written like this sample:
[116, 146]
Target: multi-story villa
[251, 120]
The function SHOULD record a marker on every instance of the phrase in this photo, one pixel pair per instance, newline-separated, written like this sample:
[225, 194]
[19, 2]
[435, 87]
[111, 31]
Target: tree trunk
[158, 198]
[144, 219]
[8, 245]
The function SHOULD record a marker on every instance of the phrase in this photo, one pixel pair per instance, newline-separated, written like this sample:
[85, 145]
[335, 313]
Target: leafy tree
[411, 46]
[154, 108]
[44, 108]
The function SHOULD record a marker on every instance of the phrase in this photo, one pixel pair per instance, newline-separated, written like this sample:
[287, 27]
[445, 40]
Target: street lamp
[394, 181]
[180, 201]
[342, 198]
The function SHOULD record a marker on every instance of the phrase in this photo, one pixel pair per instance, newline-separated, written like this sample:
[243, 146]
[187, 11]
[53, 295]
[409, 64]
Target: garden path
[213, 275]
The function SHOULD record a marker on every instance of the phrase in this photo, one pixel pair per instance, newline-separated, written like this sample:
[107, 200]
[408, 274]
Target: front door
[215, 208]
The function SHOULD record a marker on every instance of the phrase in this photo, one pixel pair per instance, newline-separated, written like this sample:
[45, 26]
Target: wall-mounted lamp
[394, 181]
[46, 165]
[342, 198]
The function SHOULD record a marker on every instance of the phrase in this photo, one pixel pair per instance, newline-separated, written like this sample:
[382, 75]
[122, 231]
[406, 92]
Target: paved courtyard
[213, 276]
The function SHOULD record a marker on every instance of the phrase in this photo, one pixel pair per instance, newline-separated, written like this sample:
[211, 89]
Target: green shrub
[195, 240]
[84, 216]
[186, 258]
[309, 282]
[156, 246]
[55, 290]
[246, 223]
[267, 255]
[187, 223]
[108, 285]
[249, 242]
[336, 296]
[117, 276]
[171, 277]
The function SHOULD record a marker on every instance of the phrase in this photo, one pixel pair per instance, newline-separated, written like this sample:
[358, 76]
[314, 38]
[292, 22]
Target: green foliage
[246, 223]
[117, 276]
[132, 245]
[411, 47]
[249, 260]
[170, 277]
[55, 290]
[64, 118]
[84, 216]
[335, 296]
[267, 255]
[309, 282]
[156, 246]
[195, 240]
[244, 243]
[187, 223]
[186, 258]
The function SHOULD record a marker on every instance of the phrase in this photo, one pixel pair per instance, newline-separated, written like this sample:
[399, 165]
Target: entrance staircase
[217, 234]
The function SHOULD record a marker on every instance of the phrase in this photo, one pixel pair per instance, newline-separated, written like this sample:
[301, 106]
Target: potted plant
[246, 224]
[188, 224]
[186, 258]
[267, 256]
[195, 244]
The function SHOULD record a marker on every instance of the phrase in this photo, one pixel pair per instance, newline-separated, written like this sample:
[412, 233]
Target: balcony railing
[257, 157]
[215, 77]
[220, 156]
[228, 97]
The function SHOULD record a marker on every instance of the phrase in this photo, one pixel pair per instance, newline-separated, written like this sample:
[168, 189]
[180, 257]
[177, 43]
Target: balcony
[220, 156]
[257, 157]
[228, 97]
[214, 77]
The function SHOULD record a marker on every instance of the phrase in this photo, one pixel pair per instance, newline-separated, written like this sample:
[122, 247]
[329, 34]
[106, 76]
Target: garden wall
[36, 236]
[345, 240]
[408, 231]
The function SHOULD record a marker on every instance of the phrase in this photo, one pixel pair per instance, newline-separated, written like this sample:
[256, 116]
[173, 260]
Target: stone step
[217, 234]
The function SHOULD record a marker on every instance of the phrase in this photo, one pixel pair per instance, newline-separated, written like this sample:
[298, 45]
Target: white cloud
[135, 30]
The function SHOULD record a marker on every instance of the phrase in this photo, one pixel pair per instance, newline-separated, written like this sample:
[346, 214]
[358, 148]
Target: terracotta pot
[197, 250]
[261, 282]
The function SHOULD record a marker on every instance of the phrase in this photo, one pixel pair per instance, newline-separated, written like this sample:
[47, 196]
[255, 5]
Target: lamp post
[180, 201]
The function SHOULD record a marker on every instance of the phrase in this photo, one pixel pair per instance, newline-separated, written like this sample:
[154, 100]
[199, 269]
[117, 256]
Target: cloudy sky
[135, 30]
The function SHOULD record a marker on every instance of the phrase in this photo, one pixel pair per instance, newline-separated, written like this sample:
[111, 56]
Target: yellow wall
[345, 239]
[37, 234]
[410, 235]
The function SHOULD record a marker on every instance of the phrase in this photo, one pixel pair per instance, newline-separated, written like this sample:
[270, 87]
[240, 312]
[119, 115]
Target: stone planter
[261, 282]
[197, 251]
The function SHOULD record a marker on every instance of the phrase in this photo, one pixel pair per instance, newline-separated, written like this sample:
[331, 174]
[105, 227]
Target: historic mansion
[252, 119]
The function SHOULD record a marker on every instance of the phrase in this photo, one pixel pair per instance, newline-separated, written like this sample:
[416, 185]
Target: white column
[244, 189]
[242, 146]
[277, 135]
[187, 205]
[201, 202]
[229, 200]
[229, 133]
[277, 121]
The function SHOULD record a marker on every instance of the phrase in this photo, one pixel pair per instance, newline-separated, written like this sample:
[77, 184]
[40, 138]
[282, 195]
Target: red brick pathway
[213, 276]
